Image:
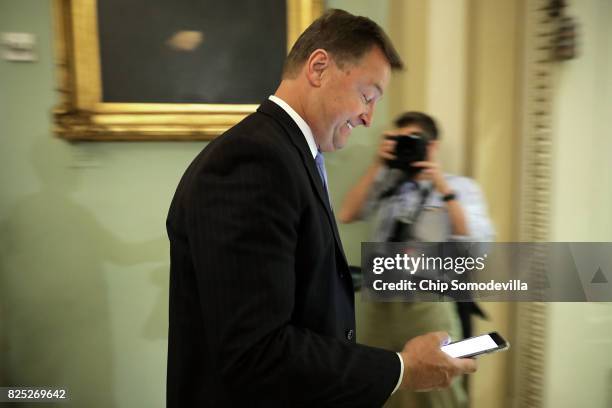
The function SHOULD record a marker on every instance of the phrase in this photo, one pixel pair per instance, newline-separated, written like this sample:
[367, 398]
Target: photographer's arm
[456, 213]
[355, 199]
[456, 216]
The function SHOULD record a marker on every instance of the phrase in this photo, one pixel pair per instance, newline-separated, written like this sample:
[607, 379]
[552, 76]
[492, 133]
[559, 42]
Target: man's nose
[366, 117]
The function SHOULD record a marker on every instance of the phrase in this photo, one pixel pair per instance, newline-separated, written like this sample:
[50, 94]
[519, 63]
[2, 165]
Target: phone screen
[475, 345]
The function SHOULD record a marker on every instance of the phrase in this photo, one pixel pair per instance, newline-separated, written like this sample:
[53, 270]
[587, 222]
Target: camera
[408, 149]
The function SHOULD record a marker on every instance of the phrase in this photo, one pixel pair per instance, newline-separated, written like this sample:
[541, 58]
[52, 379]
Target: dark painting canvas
[191, 51]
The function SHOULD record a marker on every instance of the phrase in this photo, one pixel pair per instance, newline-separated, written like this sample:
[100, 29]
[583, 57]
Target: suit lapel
[299, 141]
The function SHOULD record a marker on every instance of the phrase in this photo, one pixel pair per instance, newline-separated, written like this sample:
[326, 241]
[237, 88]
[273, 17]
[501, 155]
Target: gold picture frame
[81, 114]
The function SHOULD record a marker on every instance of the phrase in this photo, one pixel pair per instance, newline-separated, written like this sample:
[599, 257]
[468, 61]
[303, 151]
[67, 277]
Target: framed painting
[169, 70]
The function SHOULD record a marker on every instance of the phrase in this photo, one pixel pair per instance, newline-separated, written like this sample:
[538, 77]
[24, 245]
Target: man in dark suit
[261, 298]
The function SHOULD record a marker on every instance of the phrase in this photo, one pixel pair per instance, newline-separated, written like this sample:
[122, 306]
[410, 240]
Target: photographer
[415, 201]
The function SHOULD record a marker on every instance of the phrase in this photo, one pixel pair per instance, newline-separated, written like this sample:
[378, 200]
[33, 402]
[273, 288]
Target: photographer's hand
[386, 149]
[432, 171]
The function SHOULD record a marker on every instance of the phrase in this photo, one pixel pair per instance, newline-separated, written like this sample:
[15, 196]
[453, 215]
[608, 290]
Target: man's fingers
[442, 337]
[387, 150]
[427, 366]
[466, 365]
[425, 163]
[422, 164]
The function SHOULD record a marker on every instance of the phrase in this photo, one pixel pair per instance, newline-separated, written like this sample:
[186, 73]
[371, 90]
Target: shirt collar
[306, 131]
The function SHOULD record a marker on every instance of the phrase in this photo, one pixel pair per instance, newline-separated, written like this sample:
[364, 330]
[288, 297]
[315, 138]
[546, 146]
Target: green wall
[84, 256]
[83, 250]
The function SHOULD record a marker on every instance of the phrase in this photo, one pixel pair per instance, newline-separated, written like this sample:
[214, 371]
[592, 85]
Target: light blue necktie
[320, 162]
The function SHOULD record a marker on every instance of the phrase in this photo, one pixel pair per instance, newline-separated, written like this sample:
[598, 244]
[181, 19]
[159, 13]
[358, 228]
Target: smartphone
[475, 346]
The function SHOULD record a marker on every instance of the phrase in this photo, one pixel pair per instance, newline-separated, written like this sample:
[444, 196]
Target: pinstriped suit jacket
[261, 298]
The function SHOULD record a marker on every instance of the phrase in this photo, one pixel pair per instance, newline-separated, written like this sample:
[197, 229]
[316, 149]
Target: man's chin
[339, 144]
[328, 147]
[339, 141]
[336, 142]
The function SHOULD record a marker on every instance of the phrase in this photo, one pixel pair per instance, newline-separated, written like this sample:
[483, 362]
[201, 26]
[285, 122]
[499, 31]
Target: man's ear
[318, 62]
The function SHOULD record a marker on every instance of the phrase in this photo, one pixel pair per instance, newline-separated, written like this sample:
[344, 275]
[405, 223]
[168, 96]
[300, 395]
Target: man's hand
[432, 171]
[427, 367]
[386, 148]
